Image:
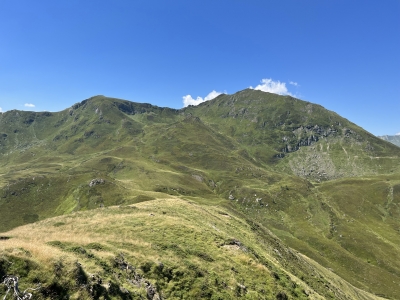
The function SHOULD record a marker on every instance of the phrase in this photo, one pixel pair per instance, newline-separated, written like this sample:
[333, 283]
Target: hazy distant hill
[247, 195]
[394, 139]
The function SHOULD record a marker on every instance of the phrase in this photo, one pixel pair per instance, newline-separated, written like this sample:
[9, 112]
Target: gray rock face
[394, 139]
[96, 181]
[306, 136]
[197, 177]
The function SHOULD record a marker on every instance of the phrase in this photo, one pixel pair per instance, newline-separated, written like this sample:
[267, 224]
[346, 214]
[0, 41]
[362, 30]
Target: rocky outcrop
[314, 165]
[394, 139]
[96, 181]
[12, 284]
[198, 177]
[137, 279]
[304, 136]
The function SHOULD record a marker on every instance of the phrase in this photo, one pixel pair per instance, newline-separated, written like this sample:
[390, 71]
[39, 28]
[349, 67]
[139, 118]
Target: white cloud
[1, 110]
[270, 86]
[29, 105]
[397, 133]
[188, 100]
[294, 83]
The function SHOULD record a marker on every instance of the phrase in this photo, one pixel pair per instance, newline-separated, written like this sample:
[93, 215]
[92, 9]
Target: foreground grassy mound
[162, 249]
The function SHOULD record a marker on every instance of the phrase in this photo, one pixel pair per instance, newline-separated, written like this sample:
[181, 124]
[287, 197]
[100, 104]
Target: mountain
[221, 194]
[394, 139]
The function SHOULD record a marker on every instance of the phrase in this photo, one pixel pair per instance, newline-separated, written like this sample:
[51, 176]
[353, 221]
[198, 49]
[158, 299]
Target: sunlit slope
[184, 157]
[86, 127]
[167, 248]
[272, 131]
[296, 136]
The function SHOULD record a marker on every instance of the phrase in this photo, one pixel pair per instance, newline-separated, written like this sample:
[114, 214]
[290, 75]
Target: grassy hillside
[321, 184]
[163, 249]
[349, 225]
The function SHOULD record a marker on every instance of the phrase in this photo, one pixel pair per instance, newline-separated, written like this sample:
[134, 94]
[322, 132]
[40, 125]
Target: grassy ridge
[181, 249]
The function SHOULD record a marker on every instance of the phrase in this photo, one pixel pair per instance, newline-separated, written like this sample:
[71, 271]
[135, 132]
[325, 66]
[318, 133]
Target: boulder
[96, 181]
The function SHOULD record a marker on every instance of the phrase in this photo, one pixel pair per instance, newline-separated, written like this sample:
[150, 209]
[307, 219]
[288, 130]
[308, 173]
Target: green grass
[348, 225]
[183, 249]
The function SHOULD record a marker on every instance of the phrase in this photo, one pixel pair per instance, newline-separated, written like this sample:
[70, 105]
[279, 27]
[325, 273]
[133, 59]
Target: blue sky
[344, 55]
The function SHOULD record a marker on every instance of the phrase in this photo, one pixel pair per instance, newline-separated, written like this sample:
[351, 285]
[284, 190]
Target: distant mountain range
[394, 139]
[251, 195]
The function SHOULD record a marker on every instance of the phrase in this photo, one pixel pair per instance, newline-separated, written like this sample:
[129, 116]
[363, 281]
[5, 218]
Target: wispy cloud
[188, 100]
[29, 105]
[270, 86]
[1, 110]
[395, 134]
[266, 85]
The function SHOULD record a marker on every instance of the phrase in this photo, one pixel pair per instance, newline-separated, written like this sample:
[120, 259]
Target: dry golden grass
[153, 231]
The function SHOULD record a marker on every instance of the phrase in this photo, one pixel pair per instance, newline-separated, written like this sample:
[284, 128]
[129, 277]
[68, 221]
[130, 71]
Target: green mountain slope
[321, 184]
[322, 145]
